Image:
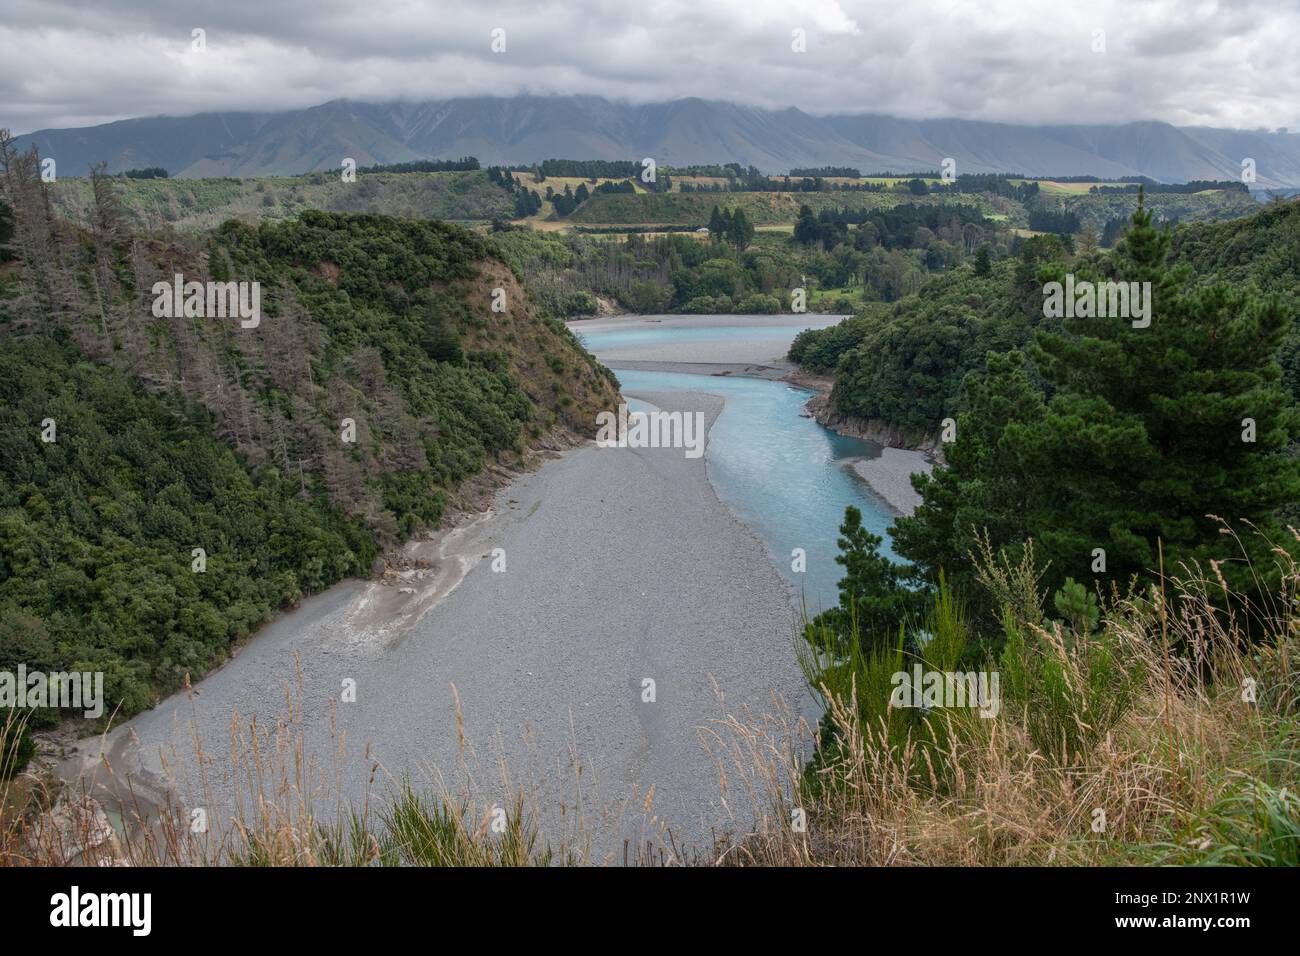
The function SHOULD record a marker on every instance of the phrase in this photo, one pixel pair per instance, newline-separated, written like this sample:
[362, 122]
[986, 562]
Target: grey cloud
[76, 62]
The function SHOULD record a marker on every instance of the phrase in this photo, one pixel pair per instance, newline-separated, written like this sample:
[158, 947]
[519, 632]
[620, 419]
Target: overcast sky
[1234, 63]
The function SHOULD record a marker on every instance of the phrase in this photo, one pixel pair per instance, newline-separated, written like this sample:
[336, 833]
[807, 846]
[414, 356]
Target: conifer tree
[1153, 433]
[981, 489]
[717, 228]
[1153, 430]
[873, 600]
[739, 231]
[806, 229]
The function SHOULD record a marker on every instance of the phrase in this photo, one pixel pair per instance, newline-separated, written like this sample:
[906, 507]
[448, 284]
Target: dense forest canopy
[904, 365]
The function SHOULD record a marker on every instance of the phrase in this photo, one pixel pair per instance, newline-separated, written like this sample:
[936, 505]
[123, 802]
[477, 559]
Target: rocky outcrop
[872, 429]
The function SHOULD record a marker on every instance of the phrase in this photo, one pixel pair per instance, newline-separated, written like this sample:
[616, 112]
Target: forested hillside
[1099, 457]
[1263, 249]
[378, 381]
[904, 364]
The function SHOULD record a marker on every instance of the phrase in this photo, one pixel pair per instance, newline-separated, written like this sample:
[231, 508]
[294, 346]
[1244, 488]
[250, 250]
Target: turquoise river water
[784, 475]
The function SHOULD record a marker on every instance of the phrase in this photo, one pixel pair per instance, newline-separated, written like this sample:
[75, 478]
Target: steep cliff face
[872, 429]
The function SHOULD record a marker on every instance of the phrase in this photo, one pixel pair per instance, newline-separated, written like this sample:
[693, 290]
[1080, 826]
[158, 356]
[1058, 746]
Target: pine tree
[806, 229]
[1152, 431]
[717, 228]
[740, 232]
[873, 600]
[981, 489]
[1143, 447]
[6, 231]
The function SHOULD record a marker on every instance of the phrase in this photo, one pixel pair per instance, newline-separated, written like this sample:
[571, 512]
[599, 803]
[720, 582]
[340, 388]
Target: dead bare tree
[106, 228]
[35, 237]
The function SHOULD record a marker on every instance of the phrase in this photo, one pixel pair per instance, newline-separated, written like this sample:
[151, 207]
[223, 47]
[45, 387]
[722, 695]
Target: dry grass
[1183, 768]
[283, 810]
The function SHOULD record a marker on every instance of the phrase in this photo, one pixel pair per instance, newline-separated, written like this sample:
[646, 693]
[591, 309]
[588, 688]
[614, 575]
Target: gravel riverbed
[620, 566]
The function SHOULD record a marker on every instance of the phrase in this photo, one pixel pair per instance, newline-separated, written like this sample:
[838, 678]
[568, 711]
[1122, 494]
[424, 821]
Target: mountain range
[527, 129]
